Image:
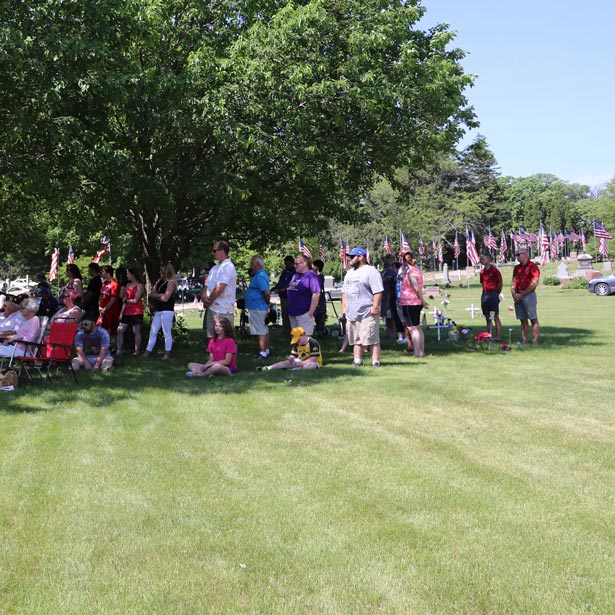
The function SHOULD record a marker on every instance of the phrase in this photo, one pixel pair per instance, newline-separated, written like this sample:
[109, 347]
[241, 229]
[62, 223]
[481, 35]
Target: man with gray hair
[257, 303]
[523, 288]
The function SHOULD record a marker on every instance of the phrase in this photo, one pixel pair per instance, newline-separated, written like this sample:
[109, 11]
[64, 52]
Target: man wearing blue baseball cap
[361, 297]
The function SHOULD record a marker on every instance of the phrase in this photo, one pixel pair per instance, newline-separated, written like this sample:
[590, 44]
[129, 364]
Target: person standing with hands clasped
[411, 301]
[361, 298]
[491, 281]
[524, 283]
[257, 304]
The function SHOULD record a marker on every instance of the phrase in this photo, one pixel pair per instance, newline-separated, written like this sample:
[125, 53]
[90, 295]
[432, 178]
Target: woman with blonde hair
[162, 304]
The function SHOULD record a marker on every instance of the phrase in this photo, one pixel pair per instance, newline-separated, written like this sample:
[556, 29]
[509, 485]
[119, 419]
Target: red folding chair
[55, 351]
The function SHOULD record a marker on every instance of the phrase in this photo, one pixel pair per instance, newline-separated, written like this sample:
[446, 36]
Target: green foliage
[575, 284]
[178, 122]
[551, 281]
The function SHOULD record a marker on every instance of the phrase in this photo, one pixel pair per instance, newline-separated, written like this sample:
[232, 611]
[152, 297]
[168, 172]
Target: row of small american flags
[548, 244]
[70, 257]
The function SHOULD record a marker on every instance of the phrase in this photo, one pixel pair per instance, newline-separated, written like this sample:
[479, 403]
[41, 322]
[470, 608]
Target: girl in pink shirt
[222, 353]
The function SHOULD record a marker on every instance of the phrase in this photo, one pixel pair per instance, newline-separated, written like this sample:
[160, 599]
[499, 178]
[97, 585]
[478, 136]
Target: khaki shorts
[365, 332]
[304, 321]
[257, 322]
[210, 320]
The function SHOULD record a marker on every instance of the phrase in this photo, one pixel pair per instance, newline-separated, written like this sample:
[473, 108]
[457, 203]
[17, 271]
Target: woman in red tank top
[132, 310]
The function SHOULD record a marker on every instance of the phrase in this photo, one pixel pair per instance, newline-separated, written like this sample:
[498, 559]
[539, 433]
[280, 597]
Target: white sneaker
[191, 374]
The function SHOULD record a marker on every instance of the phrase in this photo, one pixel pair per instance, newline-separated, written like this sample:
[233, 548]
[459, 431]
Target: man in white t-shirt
[361, 297]
[219, 293]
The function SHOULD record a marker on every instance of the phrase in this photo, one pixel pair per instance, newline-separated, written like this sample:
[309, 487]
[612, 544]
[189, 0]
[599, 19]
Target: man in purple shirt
[303, 294]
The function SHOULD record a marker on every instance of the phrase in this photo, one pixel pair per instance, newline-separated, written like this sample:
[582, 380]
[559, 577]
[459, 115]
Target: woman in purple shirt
[303, 294]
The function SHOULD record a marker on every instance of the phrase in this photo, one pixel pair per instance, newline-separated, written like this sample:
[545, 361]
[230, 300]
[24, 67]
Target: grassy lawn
[461, 483]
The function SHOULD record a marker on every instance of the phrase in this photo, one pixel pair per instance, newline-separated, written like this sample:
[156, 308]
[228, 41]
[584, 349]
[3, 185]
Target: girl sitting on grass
[222, 353]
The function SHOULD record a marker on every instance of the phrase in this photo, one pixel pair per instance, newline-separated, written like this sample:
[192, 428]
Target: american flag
[602, 247]
[71, 256]
[422, 250]
[554, 247]
[471, 251]
[387, 245]
[404, 246]
[527, 236]
[456, 246]
[503, 248]
[55, 263]
[572, 236]
[545, 246]
[440, 253]
[343, 254]
[490, 242]
[304, 249]
[514, 241]
[323, 255]
[601, 232]
[106, 250]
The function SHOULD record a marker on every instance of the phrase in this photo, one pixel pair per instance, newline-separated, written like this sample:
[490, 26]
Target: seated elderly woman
[27, 332]
[70, 312]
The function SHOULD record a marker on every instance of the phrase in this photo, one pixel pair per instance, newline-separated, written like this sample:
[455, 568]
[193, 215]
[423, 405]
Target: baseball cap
[357, 252]
[295, 334]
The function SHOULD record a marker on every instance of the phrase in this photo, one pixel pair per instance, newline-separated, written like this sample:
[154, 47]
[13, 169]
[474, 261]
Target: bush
[577, 283]
[552, 281]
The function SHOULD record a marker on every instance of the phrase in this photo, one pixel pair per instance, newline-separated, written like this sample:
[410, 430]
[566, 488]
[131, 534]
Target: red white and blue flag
[304, 249]
[323, 255]
[456, 247]
[600, 232]
[490, 241]
[387, 245]
[404, 246]
[422, 250]
[503, 247]
[106, 250]
[71, 256]
[545, 246]
[471, 251]
[55, 263]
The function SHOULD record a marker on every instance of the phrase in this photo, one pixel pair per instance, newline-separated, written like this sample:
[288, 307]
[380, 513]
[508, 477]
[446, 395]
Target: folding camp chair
[18, 345]
[55, 351]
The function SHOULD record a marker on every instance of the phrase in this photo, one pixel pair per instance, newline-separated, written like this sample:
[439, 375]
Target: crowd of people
[111, 306]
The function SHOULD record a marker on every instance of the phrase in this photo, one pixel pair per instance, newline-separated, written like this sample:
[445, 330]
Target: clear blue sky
[545, 87]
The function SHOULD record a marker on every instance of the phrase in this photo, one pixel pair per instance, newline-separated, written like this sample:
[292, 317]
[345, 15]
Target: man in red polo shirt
[491, 279]
[525, 280]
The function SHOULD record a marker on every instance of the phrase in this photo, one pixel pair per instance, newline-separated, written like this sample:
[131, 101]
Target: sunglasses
[86, 323]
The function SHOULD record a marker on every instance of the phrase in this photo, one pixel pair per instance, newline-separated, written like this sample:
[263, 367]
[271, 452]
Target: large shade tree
[178, 120]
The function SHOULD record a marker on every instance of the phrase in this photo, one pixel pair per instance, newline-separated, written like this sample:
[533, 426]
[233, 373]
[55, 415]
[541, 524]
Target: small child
[304, 353]
[222, 353]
